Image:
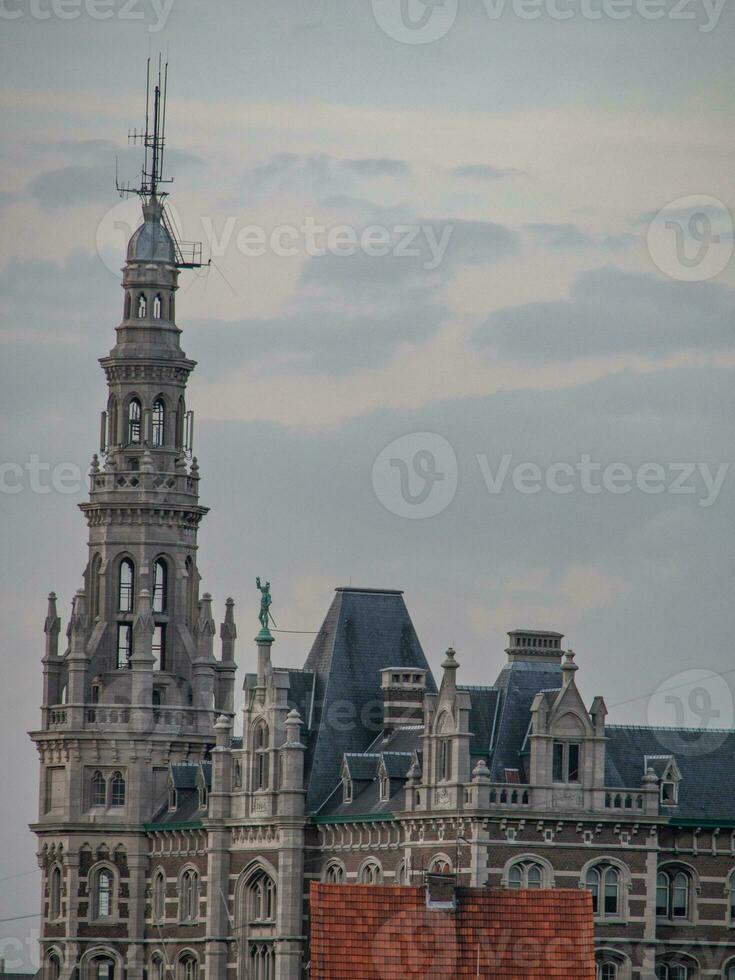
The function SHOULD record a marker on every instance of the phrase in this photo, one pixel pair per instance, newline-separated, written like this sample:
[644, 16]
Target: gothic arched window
[128, 305]
[160, 585]
[189, 896]
[673, 888]
[334, 874]
[94, 583]
[159, 897]
[158, 420]
[371, 873]
[157, 306]
[261, 961]
[188, 968]
[102, 968]
[261, 898]
[99, 789]
[126, 586]
[54, 892]
[103, 893]
[607, 970]
[180, 419]
[158, 968]
[112, 435]
[142, 307]
[603, 881]
[445, 759]
[117, 790]
[52, 970]
[525, 874]
[672, 971]
[134, 421]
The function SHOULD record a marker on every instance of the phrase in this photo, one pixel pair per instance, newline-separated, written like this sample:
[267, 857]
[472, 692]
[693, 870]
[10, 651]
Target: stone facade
[170, 848]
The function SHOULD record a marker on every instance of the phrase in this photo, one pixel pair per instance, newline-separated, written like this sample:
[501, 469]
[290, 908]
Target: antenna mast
[153, 140]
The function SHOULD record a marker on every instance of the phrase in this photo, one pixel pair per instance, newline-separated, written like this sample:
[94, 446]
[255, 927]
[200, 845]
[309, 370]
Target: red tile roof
[361, 932]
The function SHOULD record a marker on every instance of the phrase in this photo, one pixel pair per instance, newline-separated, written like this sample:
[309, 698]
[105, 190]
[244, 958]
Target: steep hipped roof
[705, 758]
[518, 683]
[388, 933]
[365, 630]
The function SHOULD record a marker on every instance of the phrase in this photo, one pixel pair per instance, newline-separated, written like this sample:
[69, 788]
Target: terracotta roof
[387, 933]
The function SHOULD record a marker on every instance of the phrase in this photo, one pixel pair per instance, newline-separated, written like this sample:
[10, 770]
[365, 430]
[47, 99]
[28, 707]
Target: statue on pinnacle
[264, 615]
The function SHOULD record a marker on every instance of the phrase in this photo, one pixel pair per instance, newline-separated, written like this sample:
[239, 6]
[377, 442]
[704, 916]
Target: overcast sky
[518, 154]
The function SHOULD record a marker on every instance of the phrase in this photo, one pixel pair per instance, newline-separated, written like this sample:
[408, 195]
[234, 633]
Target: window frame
[566, 763]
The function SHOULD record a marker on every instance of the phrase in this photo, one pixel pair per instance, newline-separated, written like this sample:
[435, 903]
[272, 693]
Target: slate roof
[517, 684]
[387, 933]
[364, 631]
[483, 717]
[706, 761]
[301, 693]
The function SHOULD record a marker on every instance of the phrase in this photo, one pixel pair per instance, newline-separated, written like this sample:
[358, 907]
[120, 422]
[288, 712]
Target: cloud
[611, 311]
[484, 171]
[376, 167]
[569, 236]
[321, 172]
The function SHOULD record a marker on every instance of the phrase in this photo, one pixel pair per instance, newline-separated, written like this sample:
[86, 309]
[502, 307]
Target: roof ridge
[672, 728]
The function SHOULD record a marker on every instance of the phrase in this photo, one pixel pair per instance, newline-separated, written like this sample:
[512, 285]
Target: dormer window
[346, 789]
[172, 800]
[203, 797]
[669, 792]
[384, 788]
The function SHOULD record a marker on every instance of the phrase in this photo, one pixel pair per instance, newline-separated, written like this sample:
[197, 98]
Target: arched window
[371, 873]
[159, 897]
[142, 306]
[126, 586]
[134, 420]
[188, 967]
[260, 746]
[52, 968]
[730, 970]
[603, 881]
[261, 898]
[525, 874]
[117, 790]
[673, 894]
[401, 876]
[99, 789]
[103, 893]
[158, 968]
[189, 896]
[158, 419]
[607, 970]
[334, 874]
[440, 866]
[160, 585]
[261, 961]
[157, 305]
[54, 893]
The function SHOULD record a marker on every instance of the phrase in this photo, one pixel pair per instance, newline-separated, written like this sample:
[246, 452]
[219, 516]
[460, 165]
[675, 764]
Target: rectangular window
[558, 762]
[573, 774]
[124, 645]
[159, 647]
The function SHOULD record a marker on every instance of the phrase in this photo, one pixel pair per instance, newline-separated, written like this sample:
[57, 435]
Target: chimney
[403, 696]
[534, 645]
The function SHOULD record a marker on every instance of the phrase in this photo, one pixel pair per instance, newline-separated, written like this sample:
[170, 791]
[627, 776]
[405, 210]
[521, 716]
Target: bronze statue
[265, 604]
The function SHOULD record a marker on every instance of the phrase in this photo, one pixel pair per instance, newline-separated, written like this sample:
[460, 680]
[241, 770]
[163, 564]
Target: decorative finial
[264, 616]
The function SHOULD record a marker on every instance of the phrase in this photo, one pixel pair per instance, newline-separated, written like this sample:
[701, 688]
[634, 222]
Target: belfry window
[160, 583]
[54, 892]
[158, 418]
[126, 589]
[158, 648]
[134, 421]
[157, 307]
[142, 307]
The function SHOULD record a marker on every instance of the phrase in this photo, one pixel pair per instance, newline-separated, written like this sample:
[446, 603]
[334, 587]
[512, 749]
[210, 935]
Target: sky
[467, 329]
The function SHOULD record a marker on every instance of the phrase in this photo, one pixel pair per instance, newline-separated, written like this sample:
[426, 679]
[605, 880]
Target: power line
[15, 918]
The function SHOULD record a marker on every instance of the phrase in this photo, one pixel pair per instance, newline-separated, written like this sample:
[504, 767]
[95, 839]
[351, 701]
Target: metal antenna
[153, 140]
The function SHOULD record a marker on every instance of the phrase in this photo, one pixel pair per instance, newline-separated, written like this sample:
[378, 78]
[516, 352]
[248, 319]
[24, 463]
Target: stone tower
[138, 687]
